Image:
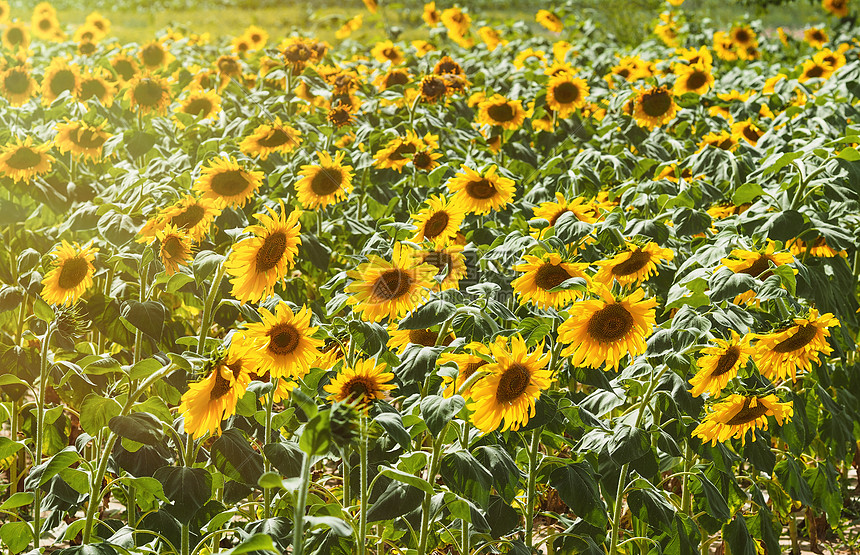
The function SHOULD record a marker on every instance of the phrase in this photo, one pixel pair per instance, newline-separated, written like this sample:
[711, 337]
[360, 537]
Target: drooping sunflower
[480, 194]
[439, 222]
[283, 343]
[634, 265]
[340, 116]
[193, 215]
[269, 138]
[148, 93]
[384, 289]
[543, 273]
[258, 263]
[16, 36]
[202, 105]
[227, 182]
[747, 131]
[60, 77]
[71, 274]
[214, 398]
[17, 85]
[718, 365]
[325, 183]
[450, 263]
[96, 85]
[474, 357]
[606, 329]
[511, 388]
[780, 354]
[723, 140]
[549, 20]
[431, 15]
[734, 416]
[98, 21]
[565, 94]
[82, 139]
[432, 88]
[22, 160]
[392, 78]
[498, 110]
[398, 152]
[399, 339]
[654, 107]
[174, 248]
[362, 384]
[817, 248]
[455, 20]
[694, 78]
[491, 37]
[755, 264]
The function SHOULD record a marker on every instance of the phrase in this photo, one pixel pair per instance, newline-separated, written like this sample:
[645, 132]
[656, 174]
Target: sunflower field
[509, 288]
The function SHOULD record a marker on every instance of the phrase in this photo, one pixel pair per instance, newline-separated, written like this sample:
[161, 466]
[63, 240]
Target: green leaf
[144, 369]
[188, 489]
[339, 526]
[650, 506]
[577, 487]
[9, 447]
[232, 455]
[204, 264]
[780, 162]
[437, 411]
[465, 474]
[16, 536]
[849, 154]
[392, 423]
[257, 542]
[286, 457]
[39, 475]
[504, 470]
[96, 411]
[138, 143]
[105, 364]
[19, 499]
[141, 427]
[396, 500]
[714, 500]
[316, 436]
[747, 192]
[431, 314]
[738, 537]
[410, 479]
[117, 228]
[148, 316]
[628, 444]
[43, 310]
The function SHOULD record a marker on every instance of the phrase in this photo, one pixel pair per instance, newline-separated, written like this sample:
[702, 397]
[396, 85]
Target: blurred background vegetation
[627, 21]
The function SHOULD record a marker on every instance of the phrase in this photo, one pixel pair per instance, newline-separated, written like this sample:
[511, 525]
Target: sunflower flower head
[361, 384]
[780, 354]
[734, 416]
[71, 274]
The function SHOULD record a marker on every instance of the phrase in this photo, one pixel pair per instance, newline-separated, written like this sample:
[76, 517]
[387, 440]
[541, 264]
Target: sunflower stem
[301, 501]
[267, 466]
[206, 319]
[686, 499]
[425, 505]
[40, 430]
[362, 519]
[530, 492]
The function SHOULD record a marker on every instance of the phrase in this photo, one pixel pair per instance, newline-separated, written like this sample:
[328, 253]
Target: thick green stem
[362, 518]
[206, 319]
[13, 468]
[267, 466]
[301, 502]
[686, 499]
[530, 492]
[792, 532]
[185, 546]
[347, 470]
[40, 430]
[425, 505]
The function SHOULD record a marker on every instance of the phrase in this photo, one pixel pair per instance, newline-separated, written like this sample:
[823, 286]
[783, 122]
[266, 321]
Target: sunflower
[432, 89]
[59, 78]
[282, 390]
[450, 263]
[734, 416]
[174, 248]
[817, 248]
[386, 51]
[816, 37]
[226, 182]
[422, 47]
[269, 138]
[755, 264]
[491, 37]
[455, 20]
[125, 67]
[399, 339]
[257, 36]
[148, 93]
[17, 85]
[22, 160]
[654, 107]
[718, 365]
[259, 262]
[398, 152]
[46, 26]
[200, 104]
[71, 274]
[214, 398]
[326, 183]
[723, 140]
[340, 116]
[551, 211]
[389, 289]
[549, 20]
[348, 28]
[512, 386]
[426, 160]
[480, 194]
[839, 8]
[742, 36]
[283, 343]
[81, 139]
[606, 329]
[16, 36]
[193, 215]
[747, 131]
[362, 384]
[475, 357]
[498, 110]
[396, 76]
[634, 265]
[439, 222]
[541, 274]
[695, 78]
[98, 21]
[564, 94]
[154, 55]
[780, 354]
[813, 69]
[96, 85]
[4, 11]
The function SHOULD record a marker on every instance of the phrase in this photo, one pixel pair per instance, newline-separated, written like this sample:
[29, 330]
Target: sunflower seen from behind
[481, 194]
[779, 355]
[633, 266]
[227, 182]
[361, 384]
[191, 214]
[261, 261]
[439, 222]
[507, 394]
[283, 342]
[70, 275]
[541, 274]
[605, 330]
[382, 289]
[736, 415]
[328, 182]
[719, 364]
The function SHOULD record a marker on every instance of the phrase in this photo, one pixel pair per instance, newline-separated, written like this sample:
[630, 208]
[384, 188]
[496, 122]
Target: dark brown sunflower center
[220, 388]
[566, 92]
[440, 260]
[15, 36]
[390, 53]
[340, 116]
[148, 93]
[747, 413]
[801, 338]
[751, 133]
[550, 275]
[283, 339]
[271, 251]
[501, 112]
[124, 69]
[610, 324]
[230, 183]
[173, 247]
[45, 24]
[818, 36]
[428, 338]
[432, 88]
[482, 189]
[275, 138]
[761, 264]
[726, 361]
[92, 88]
[448, 66]
[401, 151]
[656, 103]
[436, 224]
[72, 272]
[63, 80]
[326, 181]
[396, 78]
[815, 71]
[297, 53]
[624, 72]
[87, 138]
[24, 158]
[189, 217]
[742, 36]
[422, 160]
[199, 107]
[17, 82]
[696, 80]
[392, 284]
[153, 55]
[359, 389]
[513, 382]
[636, 262]
[229, 66]
[472, 367]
